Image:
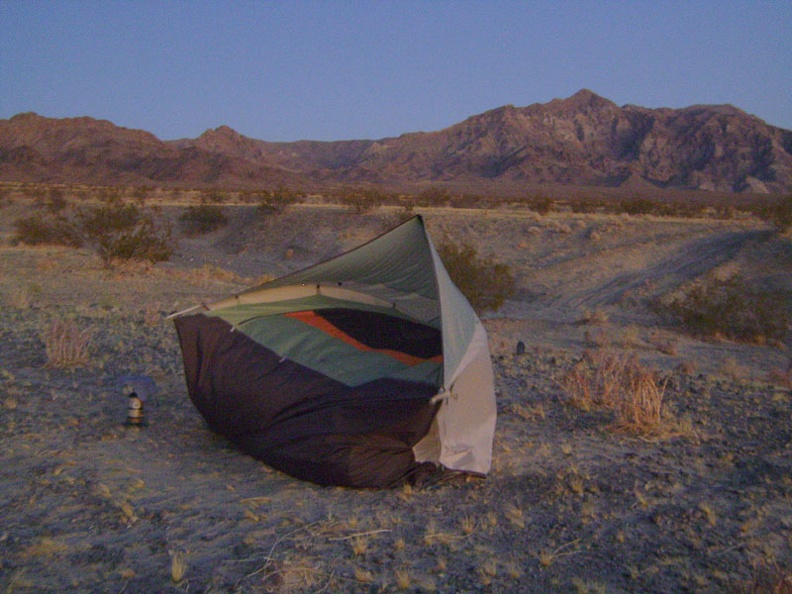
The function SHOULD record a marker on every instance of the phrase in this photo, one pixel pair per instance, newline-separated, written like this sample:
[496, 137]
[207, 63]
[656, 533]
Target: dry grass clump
[546, 558]
[22, 297]
[782, 377]
[596, 317]
[767, 577]
[604, 380]
[732, 369]
[67, 345]
[179, 566]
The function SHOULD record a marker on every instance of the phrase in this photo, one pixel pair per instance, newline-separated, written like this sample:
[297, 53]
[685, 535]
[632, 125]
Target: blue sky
[335, 70]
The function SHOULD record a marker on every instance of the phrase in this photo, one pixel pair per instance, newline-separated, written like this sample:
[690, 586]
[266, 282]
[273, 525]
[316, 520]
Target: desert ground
[572, 504]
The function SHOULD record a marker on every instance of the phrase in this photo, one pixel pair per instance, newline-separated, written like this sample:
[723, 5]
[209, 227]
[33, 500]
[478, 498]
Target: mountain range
[584, 140]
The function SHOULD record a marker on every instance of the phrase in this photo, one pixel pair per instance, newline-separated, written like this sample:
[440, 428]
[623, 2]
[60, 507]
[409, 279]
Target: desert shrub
[142, 193]
[56, 200]
[596, 317]
[781, 213]
[433, 196]
[30, 191]
[277, 201]
[542, 204]
[123, 231]
[731, 308]
[66, 345]
[603, 380]
[214, 196]
[639, 206]
[37, 230]
[407, 204]
[202, 219]
[485, 283]
[359, 201]
[5, 196]
[108, 194]
[468, 200]
[766, 577]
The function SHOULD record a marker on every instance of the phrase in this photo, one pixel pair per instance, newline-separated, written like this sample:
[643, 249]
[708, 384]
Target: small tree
[486, 284]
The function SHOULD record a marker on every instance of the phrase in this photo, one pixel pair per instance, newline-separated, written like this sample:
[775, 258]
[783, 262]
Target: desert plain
[572, 504]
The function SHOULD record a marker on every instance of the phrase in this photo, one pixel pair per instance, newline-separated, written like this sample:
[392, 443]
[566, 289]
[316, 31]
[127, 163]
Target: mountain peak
[221, 132]
[587, 98]
[584, 95]
[584, 139]
[583, 100]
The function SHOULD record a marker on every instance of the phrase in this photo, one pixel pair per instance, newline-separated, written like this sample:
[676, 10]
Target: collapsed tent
[356, 371]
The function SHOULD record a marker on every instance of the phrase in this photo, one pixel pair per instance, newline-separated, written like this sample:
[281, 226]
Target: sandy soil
[89, 505]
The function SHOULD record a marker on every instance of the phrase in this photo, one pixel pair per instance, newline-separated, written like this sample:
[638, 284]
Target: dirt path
[689, 262]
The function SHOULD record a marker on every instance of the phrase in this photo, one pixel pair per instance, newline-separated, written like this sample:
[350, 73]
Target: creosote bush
[112, 229]
[361, 200]
[202, 219]
[37, 230]
[125, 232]
[779, 213]
[485, 283]
[277, 201]
[731, 308]
[433, 196]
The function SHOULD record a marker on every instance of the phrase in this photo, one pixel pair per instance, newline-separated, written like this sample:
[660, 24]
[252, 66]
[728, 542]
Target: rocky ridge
[584, 140]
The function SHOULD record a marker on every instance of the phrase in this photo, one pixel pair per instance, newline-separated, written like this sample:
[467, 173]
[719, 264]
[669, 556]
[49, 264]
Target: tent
[361, 371]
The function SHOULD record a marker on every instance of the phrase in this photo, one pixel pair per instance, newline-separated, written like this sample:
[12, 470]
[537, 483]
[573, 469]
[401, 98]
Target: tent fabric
[350, 372]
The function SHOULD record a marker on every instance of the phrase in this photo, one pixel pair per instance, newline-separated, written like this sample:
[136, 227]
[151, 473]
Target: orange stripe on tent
[317, 321]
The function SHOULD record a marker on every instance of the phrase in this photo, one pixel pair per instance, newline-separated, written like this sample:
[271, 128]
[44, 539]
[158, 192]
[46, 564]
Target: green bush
[201, 219]
[277, 201]
[644, 206]
[731, 308]
[542, 204]
[113, 230]
[123, 231]
[486, 284]
[36, 230]
[359, 201]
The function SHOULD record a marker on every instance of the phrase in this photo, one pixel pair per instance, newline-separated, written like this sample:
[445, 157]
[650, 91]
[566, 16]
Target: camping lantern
[135, 411]
[137, 389]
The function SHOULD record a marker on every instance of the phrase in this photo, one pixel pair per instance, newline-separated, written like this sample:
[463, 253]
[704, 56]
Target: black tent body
[344, 373]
